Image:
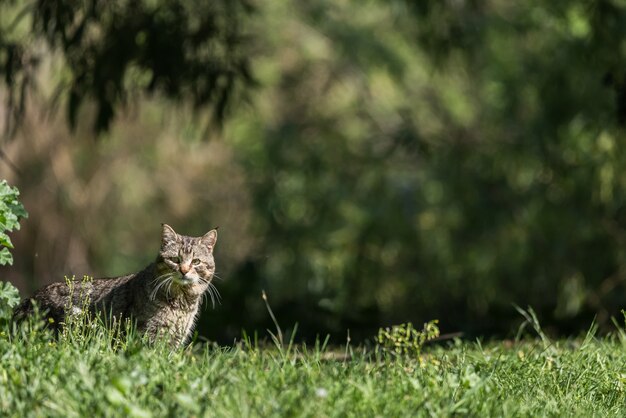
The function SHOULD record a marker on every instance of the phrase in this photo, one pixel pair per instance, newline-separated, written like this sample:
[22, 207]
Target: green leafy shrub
[11, 211]
[9, 298]
[404, 339]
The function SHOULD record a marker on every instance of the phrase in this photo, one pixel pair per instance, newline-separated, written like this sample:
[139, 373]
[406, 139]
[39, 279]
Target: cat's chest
[175, 321]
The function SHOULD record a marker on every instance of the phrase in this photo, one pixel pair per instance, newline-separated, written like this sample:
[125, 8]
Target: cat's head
[187, 261]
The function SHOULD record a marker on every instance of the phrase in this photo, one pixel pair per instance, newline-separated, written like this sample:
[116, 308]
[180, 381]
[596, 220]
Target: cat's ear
[168, 235]
[209, 239]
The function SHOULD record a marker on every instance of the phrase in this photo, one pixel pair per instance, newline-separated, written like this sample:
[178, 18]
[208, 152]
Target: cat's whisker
[157, 288]
[210, 293]
[164, 278]
[212, 297]
[161, 276]
[160, 285]
[217, 292]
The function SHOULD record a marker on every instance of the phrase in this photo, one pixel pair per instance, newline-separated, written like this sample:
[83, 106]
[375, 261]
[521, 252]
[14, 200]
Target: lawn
[88, 372]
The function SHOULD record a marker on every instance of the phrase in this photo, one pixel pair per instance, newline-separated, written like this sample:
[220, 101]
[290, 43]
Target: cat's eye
[175, 259]
[196, 261]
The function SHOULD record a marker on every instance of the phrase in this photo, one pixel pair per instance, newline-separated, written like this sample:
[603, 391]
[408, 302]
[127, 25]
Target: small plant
[84, 327]
[405, 340]
[11, 211]
[9, 298]
[78, 317]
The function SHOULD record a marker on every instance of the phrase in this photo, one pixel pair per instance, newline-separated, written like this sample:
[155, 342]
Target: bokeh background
[367, 162]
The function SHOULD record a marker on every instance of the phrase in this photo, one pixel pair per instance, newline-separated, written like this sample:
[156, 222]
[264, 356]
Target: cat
[163, 298]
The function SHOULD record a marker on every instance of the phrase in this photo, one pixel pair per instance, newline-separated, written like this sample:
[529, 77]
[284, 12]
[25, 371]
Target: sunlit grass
[90, 371]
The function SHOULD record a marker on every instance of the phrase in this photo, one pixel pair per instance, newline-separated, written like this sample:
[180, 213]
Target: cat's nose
[184, 268]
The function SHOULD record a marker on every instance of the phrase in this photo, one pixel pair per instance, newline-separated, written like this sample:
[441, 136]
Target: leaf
[5, 240]
[11, 211]
[9, 298]
[5, 257]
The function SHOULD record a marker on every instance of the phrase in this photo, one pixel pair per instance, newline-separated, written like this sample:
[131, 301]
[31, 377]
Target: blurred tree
[537, 176]
[399, 161]
[440, 159]
[586, 39]
[182, 49]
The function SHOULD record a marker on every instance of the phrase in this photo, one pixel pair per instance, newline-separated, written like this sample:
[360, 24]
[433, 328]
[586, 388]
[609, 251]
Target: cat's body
[165, 297]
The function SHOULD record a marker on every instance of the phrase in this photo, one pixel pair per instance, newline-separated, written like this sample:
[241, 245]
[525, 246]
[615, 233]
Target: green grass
[87, 372]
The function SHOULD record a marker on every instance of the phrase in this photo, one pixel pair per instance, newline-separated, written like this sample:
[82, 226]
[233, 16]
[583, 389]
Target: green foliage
[405, 340]
[44, 376]
[112, 48]
[465, 157]
[398, 161]
[9, 299]
[11, 211]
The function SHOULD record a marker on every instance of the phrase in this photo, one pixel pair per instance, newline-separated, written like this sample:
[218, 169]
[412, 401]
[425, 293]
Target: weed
[405, 340]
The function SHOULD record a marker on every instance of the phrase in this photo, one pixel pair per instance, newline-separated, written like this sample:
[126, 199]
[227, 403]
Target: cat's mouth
[184, 280]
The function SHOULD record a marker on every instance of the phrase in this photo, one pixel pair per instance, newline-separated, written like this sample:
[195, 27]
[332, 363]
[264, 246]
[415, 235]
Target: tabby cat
[163, 298]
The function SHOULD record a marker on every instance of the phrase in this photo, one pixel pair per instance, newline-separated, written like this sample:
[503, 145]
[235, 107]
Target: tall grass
[90, 370]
